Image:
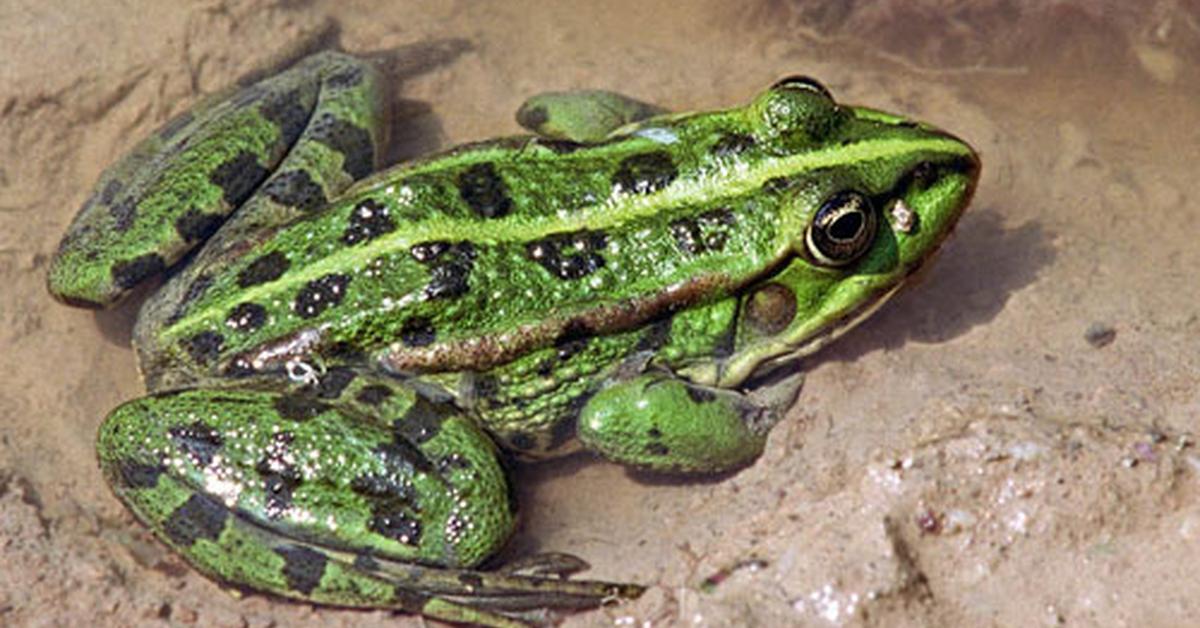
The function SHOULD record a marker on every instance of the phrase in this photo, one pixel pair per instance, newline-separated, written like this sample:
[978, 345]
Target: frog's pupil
[846, 226]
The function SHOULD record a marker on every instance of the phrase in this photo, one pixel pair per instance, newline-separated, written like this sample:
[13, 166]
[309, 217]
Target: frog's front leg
[584, 116]
[661, 422]
[354, 492]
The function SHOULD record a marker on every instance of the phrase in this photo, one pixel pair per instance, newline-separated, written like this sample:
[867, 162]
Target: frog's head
[868, 197]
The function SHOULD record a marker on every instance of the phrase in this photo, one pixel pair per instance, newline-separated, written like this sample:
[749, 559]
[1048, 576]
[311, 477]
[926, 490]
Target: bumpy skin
[328, 376]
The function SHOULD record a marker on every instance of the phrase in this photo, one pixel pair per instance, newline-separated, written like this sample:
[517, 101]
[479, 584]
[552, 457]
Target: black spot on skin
[732, 144]
[426, 252]
[417, 331]
[571, 255]
[204, 347]
[700, 395]
[384, 487]
[320, 294]
[452, 462]
[248, 96]
[130, 273]
[422, 421]
[246, 317]
[368, 220]
[123, 213]
[448, 281]
[348, 77]
[110, 192]
[200, 517]
[402, 457]
[175, 125]
[298, 407]
[573, 339]
[485, 388]
[194, 226]
[280, 477]
[522, 441]
[238, 177]
[657, 449]
[296, 189]
[269, 267]
[403, 596]
[397, 525]
[134, 474]
[470, 580]
[240, 366]
[645, 173]
[706, 233]
[374, 394]
[278, 487]
[362, 562]
[285, 111]
[656, 336]
[484, 191]
[353, 142]
[450, 265]
[334, 381]
[303, 567]
[198, 440]
[198, 287]
[345, 352]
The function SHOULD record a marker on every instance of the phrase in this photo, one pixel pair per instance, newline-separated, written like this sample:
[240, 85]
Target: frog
[342, 361]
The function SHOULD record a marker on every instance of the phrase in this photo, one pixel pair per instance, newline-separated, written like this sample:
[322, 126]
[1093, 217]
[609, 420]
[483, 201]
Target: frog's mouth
[772, 369]
[769, 370]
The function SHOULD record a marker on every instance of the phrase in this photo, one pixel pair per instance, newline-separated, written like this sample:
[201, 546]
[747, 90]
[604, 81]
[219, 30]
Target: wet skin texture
[336, 357]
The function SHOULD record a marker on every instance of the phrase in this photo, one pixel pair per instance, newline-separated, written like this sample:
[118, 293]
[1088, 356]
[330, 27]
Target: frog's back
[473, 258]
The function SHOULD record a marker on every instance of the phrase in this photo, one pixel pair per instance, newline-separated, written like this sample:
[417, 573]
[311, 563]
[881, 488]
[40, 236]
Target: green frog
[339, 362]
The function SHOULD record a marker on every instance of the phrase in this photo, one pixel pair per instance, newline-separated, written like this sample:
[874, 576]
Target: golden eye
[842, 230]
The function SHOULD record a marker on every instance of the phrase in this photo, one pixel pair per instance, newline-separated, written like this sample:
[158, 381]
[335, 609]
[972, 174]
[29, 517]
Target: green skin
[331, 372]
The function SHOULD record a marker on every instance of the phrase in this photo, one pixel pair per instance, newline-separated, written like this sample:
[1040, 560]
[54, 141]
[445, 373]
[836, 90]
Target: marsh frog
[339, 361]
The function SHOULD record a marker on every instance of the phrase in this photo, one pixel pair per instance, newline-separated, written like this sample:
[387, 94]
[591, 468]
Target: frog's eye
[797, 110]
[842, 230]
[799, 81]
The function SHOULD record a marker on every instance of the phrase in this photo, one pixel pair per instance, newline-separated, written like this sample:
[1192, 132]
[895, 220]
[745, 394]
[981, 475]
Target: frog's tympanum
[337, 358]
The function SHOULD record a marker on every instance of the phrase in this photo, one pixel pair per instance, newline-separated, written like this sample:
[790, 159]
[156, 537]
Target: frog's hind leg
[353, 491]
[315, 126]
[584, 116]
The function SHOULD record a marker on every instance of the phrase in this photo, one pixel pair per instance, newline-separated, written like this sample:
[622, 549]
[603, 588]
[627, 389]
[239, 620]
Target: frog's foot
[660, 422]
[310, 494]
[584, 116]
[315, 126]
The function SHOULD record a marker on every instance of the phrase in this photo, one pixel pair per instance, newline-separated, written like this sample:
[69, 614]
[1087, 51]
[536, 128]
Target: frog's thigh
[305, 497]
[663, 423]
[585, 116]
[315, 125]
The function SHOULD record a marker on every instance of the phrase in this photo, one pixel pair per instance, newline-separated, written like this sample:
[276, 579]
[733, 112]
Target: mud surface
[1009, 442]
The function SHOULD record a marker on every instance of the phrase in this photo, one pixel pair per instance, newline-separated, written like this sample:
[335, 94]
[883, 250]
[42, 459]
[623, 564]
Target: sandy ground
[1010, 442]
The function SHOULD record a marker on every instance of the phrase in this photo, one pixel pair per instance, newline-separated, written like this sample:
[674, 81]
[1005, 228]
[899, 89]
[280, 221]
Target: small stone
[1100, 334]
